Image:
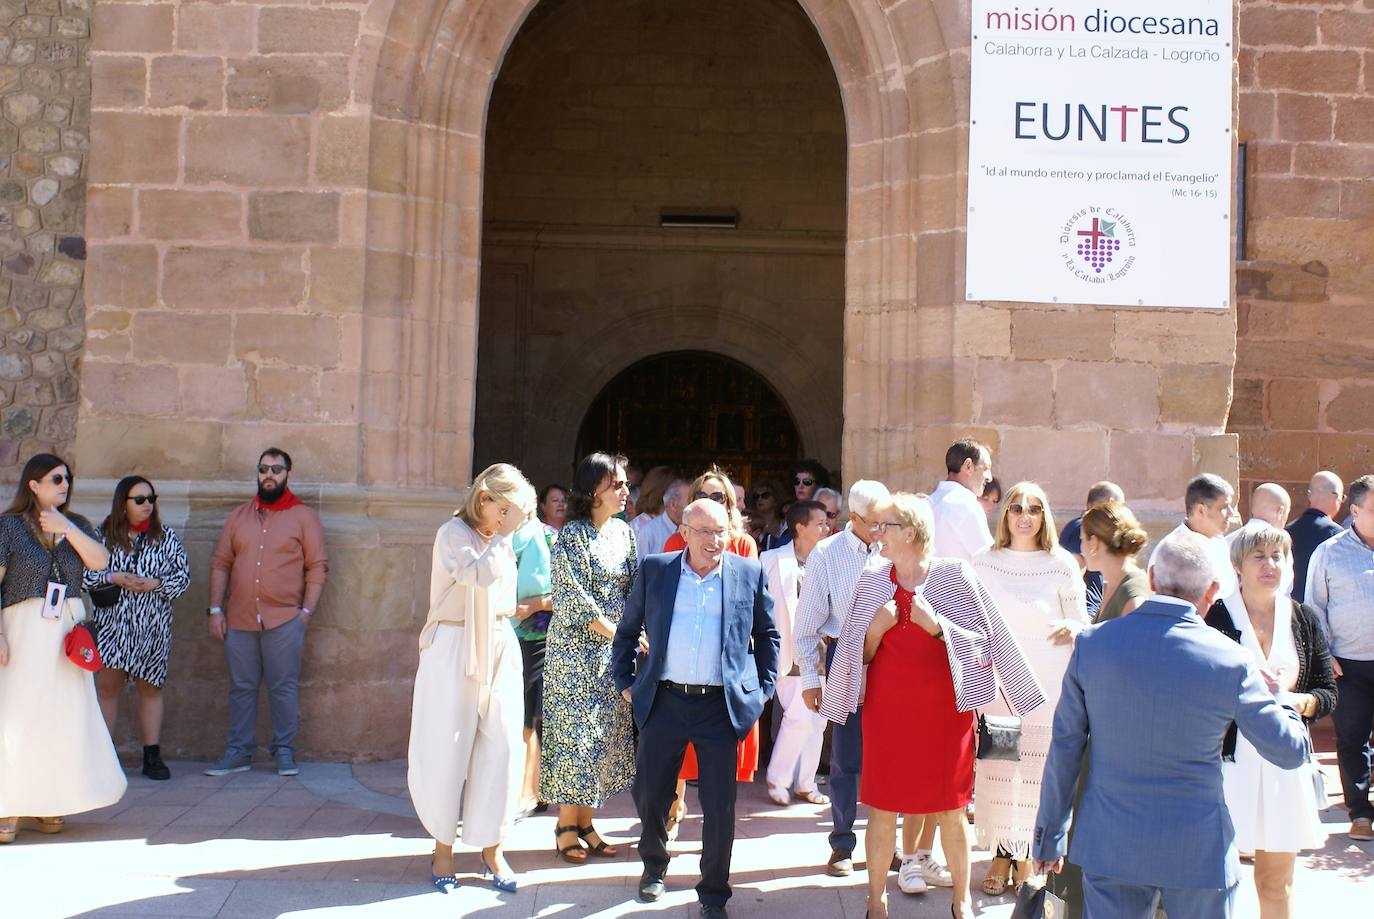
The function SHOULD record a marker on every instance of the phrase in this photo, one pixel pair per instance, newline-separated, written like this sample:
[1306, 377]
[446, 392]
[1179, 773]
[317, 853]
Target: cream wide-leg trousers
[56, 757]
[797, 749]
[463, 765]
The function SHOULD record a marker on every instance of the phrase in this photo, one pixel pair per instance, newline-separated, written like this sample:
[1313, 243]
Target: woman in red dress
[716, 485]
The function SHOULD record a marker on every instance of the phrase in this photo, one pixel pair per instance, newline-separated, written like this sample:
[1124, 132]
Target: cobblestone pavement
[342, 841]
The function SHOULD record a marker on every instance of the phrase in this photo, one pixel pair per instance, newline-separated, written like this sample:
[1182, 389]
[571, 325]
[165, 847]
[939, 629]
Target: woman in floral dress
[588, 750]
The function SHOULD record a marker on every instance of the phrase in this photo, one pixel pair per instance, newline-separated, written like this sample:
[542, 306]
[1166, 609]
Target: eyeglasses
[706, 534]
[716, 496]
[882, 526]
[58, 478]
[1034, 510]
[275, 468]
[141, 500]
[805, 480]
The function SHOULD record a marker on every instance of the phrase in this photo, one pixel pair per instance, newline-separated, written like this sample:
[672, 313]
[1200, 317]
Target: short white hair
[823, 493]
[866, 494]
[1182, 566]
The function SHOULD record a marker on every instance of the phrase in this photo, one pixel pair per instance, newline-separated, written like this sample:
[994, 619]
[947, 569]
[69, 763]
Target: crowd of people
[627, 632]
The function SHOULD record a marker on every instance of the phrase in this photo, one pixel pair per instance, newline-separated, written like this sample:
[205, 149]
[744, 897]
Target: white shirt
[784, 572]
[1285, 579]
[961, 525]
[1222, 570]
[652, 533]
[832, 571]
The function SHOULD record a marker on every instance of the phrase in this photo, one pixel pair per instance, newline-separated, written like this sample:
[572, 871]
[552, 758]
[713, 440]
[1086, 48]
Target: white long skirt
[461, 763]
[56, 757]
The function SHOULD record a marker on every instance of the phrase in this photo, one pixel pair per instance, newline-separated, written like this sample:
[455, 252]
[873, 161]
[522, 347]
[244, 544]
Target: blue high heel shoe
[504, 882]
[444, 882]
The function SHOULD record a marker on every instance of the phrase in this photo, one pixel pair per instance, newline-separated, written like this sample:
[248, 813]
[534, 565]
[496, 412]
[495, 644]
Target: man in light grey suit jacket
[1156, 691]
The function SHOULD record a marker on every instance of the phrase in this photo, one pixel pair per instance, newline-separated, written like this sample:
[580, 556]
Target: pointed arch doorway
[689, 409]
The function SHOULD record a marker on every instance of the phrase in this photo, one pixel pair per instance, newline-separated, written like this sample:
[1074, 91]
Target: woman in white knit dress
[1039, 589]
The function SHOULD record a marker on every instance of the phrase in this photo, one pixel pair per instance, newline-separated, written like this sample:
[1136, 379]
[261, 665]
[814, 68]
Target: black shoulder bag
[999, 736]
[107, 595]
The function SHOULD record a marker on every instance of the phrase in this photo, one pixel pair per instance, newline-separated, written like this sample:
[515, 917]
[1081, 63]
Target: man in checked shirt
[271, 561]
[832, 570]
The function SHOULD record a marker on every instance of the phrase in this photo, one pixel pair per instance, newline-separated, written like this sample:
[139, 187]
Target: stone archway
[438, 62]
[690, 410]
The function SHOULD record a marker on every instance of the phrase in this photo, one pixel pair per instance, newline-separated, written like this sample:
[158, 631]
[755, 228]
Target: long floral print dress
[588, 752]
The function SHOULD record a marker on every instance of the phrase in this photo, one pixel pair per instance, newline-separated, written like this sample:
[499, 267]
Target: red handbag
[79, 646]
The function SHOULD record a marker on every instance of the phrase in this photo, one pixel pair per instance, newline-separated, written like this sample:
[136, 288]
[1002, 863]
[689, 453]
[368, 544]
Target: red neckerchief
[141, 528]
[284, 502]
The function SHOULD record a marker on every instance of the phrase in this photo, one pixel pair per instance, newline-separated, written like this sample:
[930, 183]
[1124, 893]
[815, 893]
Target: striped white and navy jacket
[980, 647]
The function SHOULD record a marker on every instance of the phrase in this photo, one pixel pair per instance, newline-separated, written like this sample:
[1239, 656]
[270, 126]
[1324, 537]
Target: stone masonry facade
[1304, 377]
[284, 209]
[45, 101]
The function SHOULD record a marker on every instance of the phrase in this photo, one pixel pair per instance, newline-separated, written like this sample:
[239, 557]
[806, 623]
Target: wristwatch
[214, 611]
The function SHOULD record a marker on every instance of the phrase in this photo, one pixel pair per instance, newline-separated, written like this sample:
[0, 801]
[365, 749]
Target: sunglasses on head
[716, 496]
[805, 480]
[58, 478]
[141, 500]
[275, 468]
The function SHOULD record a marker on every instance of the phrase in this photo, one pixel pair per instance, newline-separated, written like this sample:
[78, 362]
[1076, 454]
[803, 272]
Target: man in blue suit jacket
[711, 666]
[1156, 692]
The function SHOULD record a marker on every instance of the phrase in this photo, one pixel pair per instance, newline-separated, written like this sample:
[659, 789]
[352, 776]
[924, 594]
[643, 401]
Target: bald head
[705, 528]
[1325, 493]
[1270, 503]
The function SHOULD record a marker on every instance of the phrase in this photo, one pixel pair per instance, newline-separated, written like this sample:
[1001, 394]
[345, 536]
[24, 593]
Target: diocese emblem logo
[1096, 244]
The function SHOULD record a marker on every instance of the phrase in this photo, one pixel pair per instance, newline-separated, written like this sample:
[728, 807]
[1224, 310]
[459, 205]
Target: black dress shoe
[841, 864]
[713, 912]
[153, 766]
[651, 888]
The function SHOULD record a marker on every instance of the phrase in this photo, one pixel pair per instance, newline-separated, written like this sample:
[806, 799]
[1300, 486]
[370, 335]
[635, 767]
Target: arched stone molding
[783, 359]
[437, 62]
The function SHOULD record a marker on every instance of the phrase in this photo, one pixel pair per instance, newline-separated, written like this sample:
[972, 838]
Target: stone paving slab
[334, 844]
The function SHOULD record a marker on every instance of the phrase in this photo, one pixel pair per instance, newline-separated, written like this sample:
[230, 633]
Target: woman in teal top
[533, 609]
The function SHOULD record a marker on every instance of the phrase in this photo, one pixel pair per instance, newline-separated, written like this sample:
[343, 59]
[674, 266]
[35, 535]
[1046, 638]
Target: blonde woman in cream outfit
[467, 720]
[1039, 590]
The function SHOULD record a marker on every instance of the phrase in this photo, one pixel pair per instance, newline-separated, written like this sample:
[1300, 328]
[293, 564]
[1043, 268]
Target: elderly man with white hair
[1270, 503]
[1156, 692]
[832, 571]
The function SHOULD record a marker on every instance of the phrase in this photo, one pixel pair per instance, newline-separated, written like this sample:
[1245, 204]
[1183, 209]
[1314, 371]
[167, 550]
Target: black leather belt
[692, 689]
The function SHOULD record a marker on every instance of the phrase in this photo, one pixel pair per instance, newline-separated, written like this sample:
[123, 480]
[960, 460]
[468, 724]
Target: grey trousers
[273, 656]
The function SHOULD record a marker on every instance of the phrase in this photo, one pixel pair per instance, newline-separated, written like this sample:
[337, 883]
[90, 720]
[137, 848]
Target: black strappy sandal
[565, 852]
[601, 849]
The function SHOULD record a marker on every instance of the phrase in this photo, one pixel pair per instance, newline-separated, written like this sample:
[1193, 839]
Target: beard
[269, 492]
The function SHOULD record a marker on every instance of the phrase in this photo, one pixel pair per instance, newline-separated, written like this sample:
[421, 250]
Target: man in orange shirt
[271, 562]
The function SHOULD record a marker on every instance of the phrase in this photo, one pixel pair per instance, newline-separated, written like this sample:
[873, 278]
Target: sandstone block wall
[44, 133]
[1305, 350]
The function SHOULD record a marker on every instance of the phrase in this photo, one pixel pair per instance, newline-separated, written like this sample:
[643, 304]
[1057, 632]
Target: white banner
[1099, 156]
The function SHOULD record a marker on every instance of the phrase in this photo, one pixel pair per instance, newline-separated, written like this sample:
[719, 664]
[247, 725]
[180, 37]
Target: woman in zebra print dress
[149, 566]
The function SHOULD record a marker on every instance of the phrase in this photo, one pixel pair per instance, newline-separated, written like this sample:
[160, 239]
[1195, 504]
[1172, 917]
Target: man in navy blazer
[711, 666]
[1156, 692]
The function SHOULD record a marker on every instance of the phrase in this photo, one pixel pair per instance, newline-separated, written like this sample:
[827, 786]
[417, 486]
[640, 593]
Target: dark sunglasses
[716, 496]
[760, 495]
[1033, 510]
[832, 514]
[803, 480]
[275, 469]
[58, 478]
[141, 500]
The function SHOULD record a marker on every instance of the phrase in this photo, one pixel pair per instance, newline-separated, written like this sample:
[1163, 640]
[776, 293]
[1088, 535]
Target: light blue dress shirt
[694, 639]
